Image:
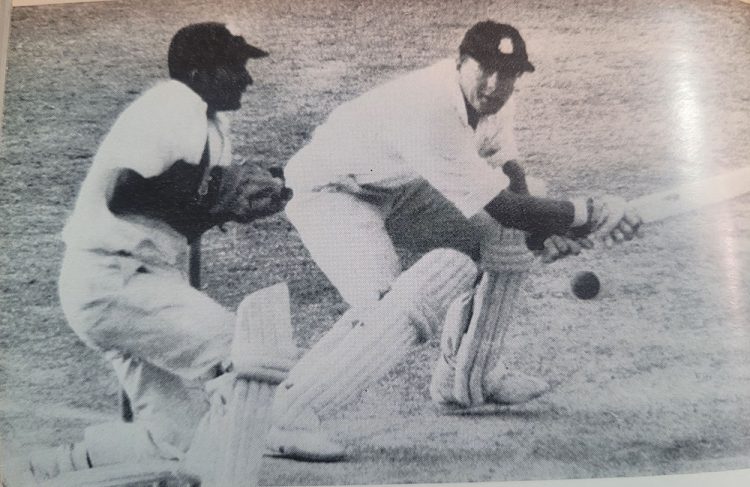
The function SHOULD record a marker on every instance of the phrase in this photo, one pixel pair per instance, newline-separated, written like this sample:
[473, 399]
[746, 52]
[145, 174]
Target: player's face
[225, 85]
[486, 90]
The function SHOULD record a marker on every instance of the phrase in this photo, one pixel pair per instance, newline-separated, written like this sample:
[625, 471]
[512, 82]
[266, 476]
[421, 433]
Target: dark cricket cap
[496, 46]
[207, 45]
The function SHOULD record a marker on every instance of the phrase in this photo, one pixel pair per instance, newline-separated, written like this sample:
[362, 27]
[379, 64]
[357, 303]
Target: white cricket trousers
[352, 233]
[163, 338]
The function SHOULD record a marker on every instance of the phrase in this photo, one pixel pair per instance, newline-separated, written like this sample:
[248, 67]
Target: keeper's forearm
[170, 197]
[543, 216]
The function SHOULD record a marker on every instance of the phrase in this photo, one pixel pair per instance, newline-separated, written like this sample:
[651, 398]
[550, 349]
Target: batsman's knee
[435, 281]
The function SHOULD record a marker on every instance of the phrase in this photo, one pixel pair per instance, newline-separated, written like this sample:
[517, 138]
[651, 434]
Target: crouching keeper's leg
[374, 339]
[227, 446]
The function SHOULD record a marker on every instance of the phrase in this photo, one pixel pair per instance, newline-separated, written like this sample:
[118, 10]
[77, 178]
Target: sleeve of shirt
[223, 133]
[499, 138]
[508, 149]
[160, 128]
[442, 151]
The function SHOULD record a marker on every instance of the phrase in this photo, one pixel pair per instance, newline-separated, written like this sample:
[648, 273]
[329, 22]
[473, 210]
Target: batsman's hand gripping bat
[662, 205]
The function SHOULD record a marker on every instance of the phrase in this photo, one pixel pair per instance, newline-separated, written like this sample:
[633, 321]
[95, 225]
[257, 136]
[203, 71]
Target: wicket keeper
[162, 176]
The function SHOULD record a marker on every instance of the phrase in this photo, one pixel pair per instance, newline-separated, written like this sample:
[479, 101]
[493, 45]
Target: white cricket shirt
[165, 124]
[411, 127]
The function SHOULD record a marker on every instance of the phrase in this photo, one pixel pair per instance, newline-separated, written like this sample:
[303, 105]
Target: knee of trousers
[431, 285]
[76, 289]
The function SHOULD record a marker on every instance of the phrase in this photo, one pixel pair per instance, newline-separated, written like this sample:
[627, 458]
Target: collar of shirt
[459, 100]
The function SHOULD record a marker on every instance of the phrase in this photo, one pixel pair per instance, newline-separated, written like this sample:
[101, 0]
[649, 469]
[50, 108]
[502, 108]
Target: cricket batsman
[427, 162]
[162, 176]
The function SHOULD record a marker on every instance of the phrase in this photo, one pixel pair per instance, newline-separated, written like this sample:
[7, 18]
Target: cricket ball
[585, 285]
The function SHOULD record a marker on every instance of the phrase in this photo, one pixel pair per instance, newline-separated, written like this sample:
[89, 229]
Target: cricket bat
[693, 196]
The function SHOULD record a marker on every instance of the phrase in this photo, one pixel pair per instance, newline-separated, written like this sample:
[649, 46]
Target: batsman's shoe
[501, 386]
[309, 445]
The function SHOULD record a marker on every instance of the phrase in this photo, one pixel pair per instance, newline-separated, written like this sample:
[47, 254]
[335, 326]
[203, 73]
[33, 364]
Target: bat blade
[693, 196]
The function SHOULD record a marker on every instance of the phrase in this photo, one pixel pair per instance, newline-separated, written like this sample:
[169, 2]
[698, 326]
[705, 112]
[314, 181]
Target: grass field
[652, 377]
